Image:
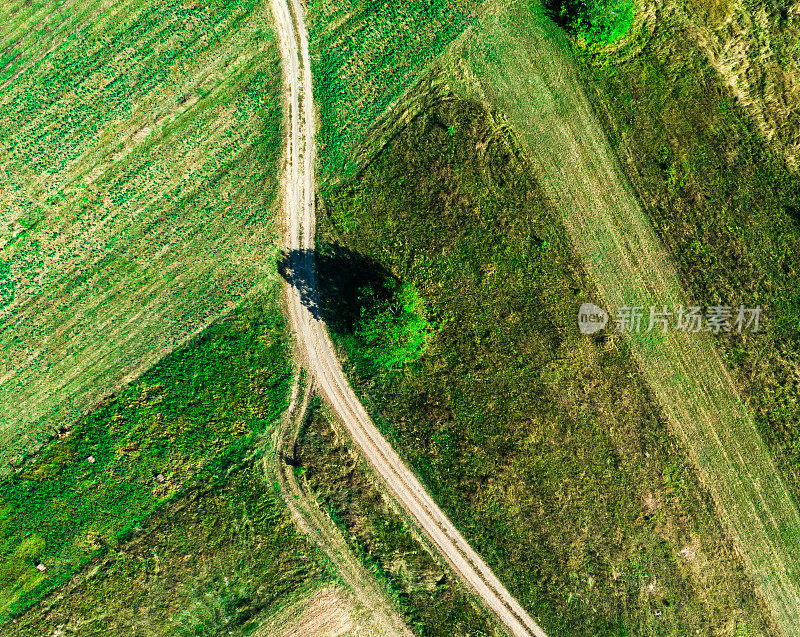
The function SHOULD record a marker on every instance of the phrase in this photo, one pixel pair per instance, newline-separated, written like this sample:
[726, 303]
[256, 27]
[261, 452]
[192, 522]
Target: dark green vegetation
[180, 429]
[434, 604]
[724, 205]
[393, 325]
[366, 55]
[596, 21]
[544, 447]
[213, 561]
[368, 304]
[7, 285]
[139, 148]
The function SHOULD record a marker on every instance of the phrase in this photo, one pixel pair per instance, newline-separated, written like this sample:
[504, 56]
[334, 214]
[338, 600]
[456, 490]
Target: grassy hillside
[139, 146]
[191, 425]
[546, 448]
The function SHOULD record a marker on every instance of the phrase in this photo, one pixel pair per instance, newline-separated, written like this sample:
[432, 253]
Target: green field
[139, 152]
[546, 448]
[482, 176]
[540, 93]
[433, 602]
[365, 56]
[178, 431]
[724, 204]
[216, 560]
[142, 194]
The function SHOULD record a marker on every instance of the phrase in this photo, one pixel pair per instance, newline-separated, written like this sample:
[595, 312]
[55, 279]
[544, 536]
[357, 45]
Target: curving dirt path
[317, 351]
[376, 615]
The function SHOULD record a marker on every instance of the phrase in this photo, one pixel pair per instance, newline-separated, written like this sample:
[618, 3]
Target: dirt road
[376, 615]
[317, 351]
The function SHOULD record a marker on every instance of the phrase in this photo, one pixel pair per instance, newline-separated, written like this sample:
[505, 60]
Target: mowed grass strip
[723, 203]
[521, 63]
[139, 152]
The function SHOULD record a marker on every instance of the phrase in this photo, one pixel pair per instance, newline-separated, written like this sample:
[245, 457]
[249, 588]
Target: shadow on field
[346, 282]
[565, 13]
[794, 214]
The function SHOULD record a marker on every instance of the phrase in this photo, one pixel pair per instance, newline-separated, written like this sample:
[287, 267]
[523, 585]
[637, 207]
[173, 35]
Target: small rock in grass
[91, 460]
[160, 477]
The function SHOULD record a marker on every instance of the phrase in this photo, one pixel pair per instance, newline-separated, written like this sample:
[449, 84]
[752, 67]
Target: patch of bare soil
[328, 612]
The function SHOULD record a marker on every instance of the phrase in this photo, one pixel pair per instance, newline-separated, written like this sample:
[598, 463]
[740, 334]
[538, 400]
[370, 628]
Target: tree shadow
[346, 283]
[559, 13]
[294, 459]
[296, 267]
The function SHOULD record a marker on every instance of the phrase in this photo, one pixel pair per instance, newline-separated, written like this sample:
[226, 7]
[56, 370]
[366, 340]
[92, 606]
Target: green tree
[600, 21]
[393, 324]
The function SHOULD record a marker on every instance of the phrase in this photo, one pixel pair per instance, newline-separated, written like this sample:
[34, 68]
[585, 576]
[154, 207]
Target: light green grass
[365, 56]
[139, 146]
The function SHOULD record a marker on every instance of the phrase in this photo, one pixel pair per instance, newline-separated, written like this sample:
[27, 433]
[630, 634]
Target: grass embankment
[725, 206]
[546, 448]
[752, 44]
[165, 469]
[432, 601]
[139, 148]
[365, 56]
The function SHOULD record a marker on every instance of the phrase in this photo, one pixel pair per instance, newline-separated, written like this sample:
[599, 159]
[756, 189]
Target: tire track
[380, 618]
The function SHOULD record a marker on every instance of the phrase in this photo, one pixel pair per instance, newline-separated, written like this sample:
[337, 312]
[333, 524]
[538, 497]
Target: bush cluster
[598, 21]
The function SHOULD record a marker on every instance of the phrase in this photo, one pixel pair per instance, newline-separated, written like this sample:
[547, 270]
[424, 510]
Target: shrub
[600, 21]
[393, 324]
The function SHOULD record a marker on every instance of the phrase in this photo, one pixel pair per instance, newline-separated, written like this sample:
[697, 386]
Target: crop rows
[139, 161]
